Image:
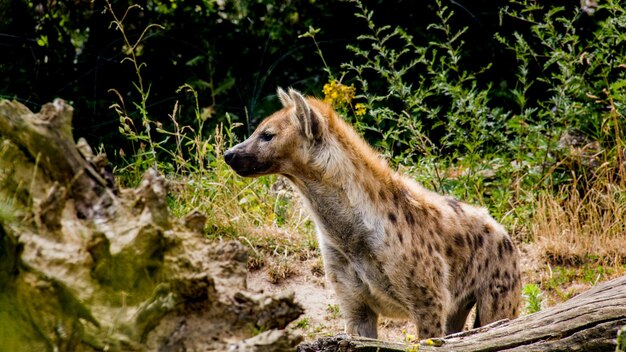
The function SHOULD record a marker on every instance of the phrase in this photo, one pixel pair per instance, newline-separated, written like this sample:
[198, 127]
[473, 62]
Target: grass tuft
[583, 222]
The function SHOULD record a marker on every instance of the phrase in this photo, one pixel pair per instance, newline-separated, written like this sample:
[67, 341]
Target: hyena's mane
[342, 151]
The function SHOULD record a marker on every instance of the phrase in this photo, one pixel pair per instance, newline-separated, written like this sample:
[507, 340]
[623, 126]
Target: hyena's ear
[309, 121]
[284, 98]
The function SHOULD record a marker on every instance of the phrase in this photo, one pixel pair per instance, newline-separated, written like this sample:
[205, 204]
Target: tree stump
[87, 267]
[587, 322]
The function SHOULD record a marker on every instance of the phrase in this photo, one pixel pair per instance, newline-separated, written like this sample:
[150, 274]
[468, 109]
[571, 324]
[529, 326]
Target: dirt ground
[322, 317]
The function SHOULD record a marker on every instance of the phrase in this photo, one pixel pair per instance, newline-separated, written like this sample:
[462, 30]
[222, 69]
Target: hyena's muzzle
[245, 161]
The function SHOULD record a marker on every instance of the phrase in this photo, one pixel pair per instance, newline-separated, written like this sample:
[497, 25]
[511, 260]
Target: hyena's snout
[245, 163]
[236, 159]
[229, 156]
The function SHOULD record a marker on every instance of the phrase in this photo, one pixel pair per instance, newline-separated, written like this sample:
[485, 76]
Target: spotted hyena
[390, 247]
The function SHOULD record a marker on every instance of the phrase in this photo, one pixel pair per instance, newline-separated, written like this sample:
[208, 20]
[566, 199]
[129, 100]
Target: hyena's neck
[346, 188]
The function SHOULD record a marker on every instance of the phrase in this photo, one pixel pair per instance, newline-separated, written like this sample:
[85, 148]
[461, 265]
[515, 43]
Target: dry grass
[279, 269]
[584, 222]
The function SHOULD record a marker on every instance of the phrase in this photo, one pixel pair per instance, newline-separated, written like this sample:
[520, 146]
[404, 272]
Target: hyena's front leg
[359, 318]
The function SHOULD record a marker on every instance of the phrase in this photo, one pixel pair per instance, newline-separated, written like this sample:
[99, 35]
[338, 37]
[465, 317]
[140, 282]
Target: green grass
[333, 311]
[303, 323]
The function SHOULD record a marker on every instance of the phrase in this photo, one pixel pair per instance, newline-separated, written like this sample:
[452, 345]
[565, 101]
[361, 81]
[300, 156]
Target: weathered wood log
[587, 322]
[87, 267]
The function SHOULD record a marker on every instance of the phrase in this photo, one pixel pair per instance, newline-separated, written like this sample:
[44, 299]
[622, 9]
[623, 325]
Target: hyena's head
[280, 144]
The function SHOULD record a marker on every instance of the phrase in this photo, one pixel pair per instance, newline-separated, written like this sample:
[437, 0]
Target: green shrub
[533, 298]
[494, 143]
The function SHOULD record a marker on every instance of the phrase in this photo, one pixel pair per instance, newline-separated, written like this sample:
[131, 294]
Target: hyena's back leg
[458, 316]
[500, 300]
[428, 311]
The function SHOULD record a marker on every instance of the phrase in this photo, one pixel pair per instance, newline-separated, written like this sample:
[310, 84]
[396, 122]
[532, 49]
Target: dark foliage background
[234, 53]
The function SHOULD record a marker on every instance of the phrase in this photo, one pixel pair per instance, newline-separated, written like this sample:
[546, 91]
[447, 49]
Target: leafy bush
[430, 108]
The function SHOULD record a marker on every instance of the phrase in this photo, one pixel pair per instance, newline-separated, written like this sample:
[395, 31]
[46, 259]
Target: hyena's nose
[228, 156]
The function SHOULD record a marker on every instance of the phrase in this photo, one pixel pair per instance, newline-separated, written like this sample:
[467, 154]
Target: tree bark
[587, 322]
[48, 140]
[87, 267]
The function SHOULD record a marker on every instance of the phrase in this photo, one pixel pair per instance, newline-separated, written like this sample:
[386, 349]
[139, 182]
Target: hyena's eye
[266, 136]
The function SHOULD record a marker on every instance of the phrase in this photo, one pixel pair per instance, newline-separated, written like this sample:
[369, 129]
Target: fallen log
[587, 322]
[85, 266]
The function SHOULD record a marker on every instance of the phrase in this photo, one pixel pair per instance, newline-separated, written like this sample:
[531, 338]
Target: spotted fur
[390, 247]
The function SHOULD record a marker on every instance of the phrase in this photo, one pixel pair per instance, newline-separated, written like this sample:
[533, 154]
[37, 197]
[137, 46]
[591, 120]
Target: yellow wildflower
[338, 94]
[437, 342]
[359, 109]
